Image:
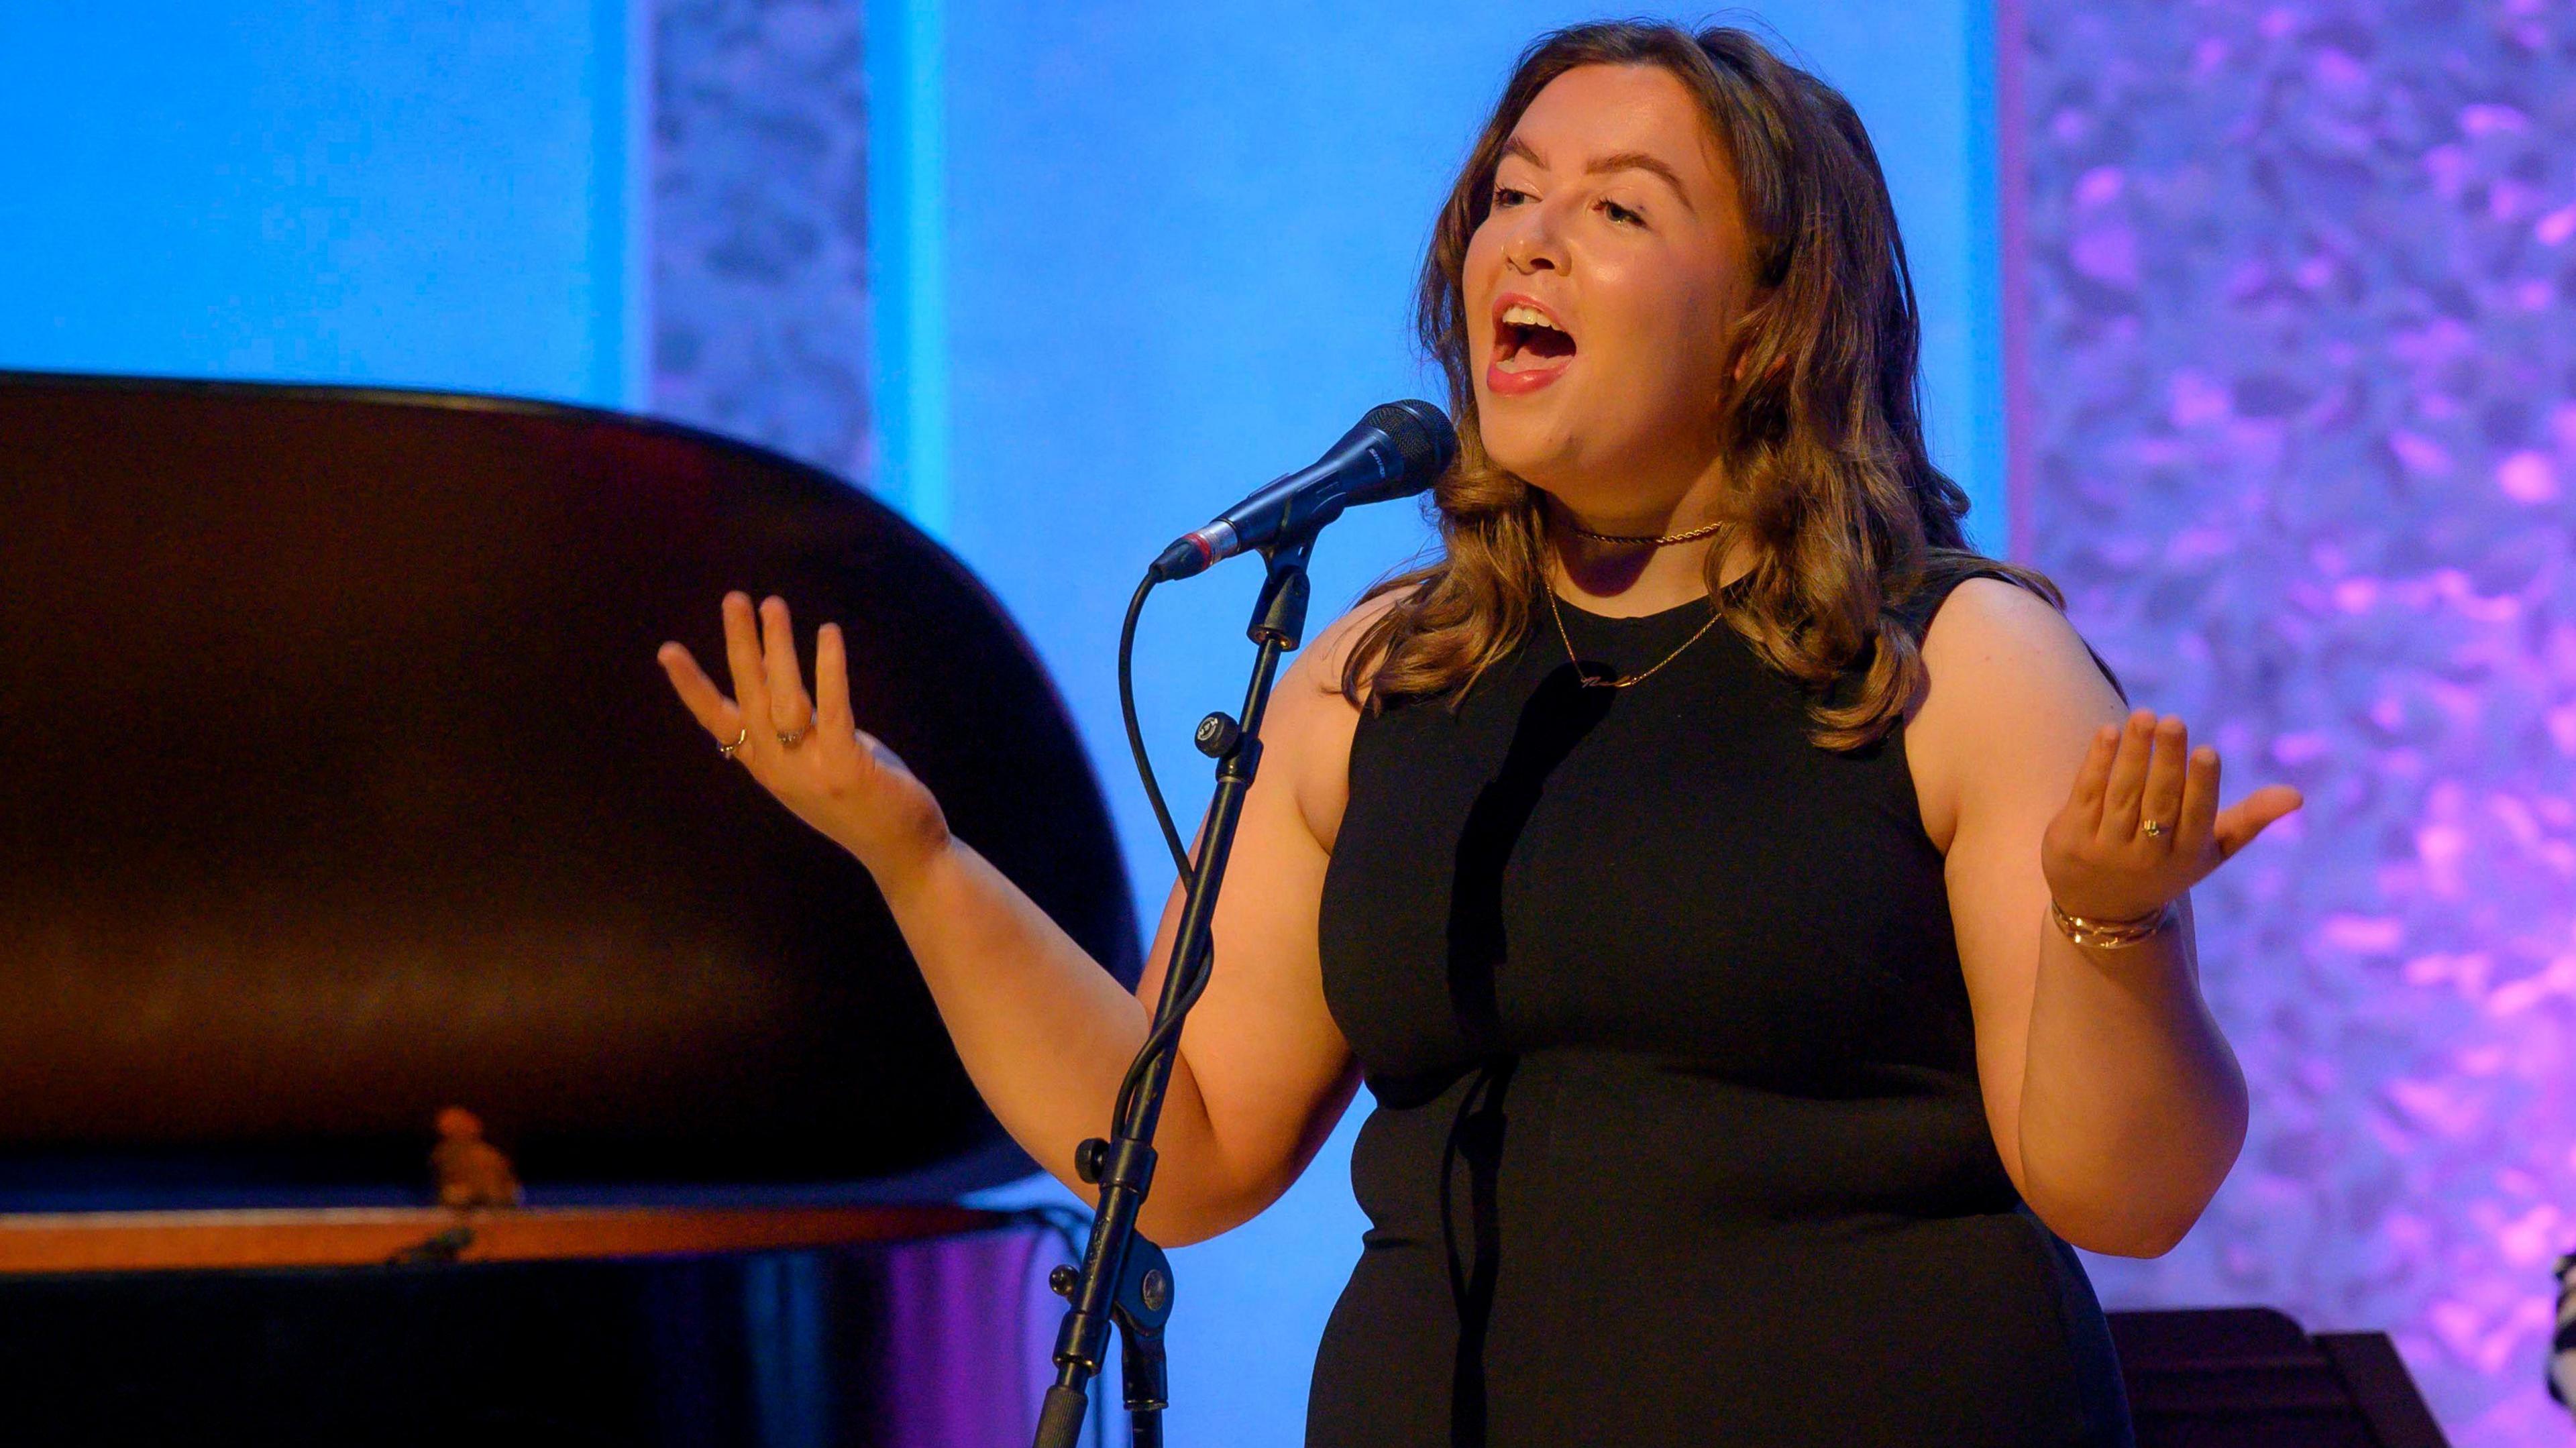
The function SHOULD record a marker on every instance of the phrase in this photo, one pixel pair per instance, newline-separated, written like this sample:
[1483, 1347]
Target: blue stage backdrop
[1059, 278]
[396, 192]
[1181, 245]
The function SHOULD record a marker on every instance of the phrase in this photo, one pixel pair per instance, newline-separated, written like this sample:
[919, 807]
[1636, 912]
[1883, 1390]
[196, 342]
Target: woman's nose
[1534, 244]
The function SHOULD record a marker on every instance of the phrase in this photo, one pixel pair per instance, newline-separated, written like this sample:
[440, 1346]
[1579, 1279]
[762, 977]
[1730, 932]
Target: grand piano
[341, 790]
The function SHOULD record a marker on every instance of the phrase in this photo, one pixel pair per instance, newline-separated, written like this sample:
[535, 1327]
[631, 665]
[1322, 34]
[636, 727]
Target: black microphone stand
[1124, 1279]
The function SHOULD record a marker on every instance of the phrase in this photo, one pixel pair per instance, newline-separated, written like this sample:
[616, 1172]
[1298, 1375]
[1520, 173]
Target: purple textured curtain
[2298, 427]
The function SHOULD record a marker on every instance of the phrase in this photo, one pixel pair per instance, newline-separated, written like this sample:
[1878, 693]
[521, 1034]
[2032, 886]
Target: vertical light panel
[908, 254]
[622, 110]
[2007, 52]
[1985, 461]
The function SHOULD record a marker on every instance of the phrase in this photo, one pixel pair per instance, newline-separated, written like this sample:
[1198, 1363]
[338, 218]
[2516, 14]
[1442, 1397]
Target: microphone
[1398, 450]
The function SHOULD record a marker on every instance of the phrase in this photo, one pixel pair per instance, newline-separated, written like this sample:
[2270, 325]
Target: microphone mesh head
[1422, 434]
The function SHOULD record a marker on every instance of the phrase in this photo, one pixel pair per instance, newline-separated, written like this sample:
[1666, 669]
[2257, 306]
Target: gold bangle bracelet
[2111, 934]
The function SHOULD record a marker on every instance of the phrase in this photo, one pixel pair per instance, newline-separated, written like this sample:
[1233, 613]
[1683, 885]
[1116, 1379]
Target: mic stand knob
[1218, 734]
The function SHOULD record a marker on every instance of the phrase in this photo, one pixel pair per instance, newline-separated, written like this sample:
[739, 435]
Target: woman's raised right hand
[808, 751]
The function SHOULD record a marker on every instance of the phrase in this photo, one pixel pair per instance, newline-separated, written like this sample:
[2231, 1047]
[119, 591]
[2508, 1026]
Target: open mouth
[1529, 339]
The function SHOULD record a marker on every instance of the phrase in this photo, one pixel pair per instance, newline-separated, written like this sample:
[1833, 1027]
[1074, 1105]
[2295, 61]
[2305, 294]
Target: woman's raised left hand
[2102, 859]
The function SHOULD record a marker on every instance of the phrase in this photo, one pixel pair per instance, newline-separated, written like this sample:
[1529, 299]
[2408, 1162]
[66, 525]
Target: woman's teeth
[1528, 339]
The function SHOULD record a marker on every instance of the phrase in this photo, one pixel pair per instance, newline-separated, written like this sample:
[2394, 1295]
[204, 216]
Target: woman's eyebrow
[1617, 161]
[1641, 161]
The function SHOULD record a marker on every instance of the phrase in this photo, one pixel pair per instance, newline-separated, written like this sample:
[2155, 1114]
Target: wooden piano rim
[373, 1236]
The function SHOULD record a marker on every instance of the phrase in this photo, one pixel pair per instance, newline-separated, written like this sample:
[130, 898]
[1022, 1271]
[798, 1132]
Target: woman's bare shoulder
[1312, 721]
[1996, 647]
[2013, 690]
[1329, 652]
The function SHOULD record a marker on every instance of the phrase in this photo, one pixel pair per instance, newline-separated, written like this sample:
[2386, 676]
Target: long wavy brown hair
[1846, 517]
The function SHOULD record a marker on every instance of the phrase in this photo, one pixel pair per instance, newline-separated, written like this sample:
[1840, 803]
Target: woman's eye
[1622, 214]
[1506, 196]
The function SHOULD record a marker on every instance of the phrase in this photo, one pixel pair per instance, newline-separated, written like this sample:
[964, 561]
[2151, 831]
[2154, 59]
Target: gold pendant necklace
[1615, 681]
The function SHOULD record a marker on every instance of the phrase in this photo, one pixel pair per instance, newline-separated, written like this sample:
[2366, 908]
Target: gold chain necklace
[1615, 681]
[1659, 540]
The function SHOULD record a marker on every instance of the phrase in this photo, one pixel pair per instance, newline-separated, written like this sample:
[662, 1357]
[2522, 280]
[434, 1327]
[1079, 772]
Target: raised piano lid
[340, 785]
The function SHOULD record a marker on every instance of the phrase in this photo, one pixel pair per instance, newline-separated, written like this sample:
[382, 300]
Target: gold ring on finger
[2153, 829]
[793, 737]
[727, 749]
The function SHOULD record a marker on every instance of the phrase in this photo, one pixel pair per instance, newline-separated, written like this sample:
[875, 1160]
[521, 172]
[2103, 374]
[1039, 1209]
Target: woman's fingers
[2240, 822]
[831, 682]
[742, 658]
[2199, 818]
[2160, 802]
[714, 712]
[768, 684]
[2099, 856]
[791, 712]
[2120, 797]
[2085, 800]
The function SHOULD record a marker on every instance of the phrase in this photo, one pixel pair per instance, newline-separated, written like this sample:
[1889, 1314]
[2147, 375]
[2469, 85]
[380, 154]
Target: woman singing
[1758, 921]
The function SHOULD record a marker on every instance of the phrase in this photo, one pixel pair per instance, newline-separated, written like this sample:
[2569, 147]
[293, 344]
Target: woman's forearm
[1044, 1032]
[2133, 1106]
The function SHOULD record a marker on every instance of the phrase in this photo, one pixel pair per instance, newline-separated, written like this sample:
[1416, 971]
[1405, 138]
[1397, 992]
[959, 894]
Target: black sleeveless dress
[1678, 1137]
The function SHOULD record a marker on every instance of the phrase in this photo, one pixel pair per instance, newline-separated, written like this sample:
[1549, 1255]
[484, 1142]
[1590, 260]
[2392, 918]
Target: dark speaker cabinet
[2250, 1377]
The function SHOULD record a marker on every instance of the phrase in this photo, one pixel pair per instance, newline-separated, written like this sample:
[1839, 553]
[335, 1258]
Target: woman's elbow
[2128, 1229]
[1202, 1210]
[2131, 1240]
[2126, 1206]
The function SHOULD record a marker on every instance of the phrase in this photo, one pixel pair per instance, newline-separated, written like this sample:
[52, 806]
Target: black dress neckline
[1695, 610]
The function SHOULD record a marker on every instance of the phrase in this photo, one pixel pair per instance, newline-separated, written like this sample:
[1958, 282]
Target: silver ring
[791, 740]
[727, 749]
[2152, 829]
